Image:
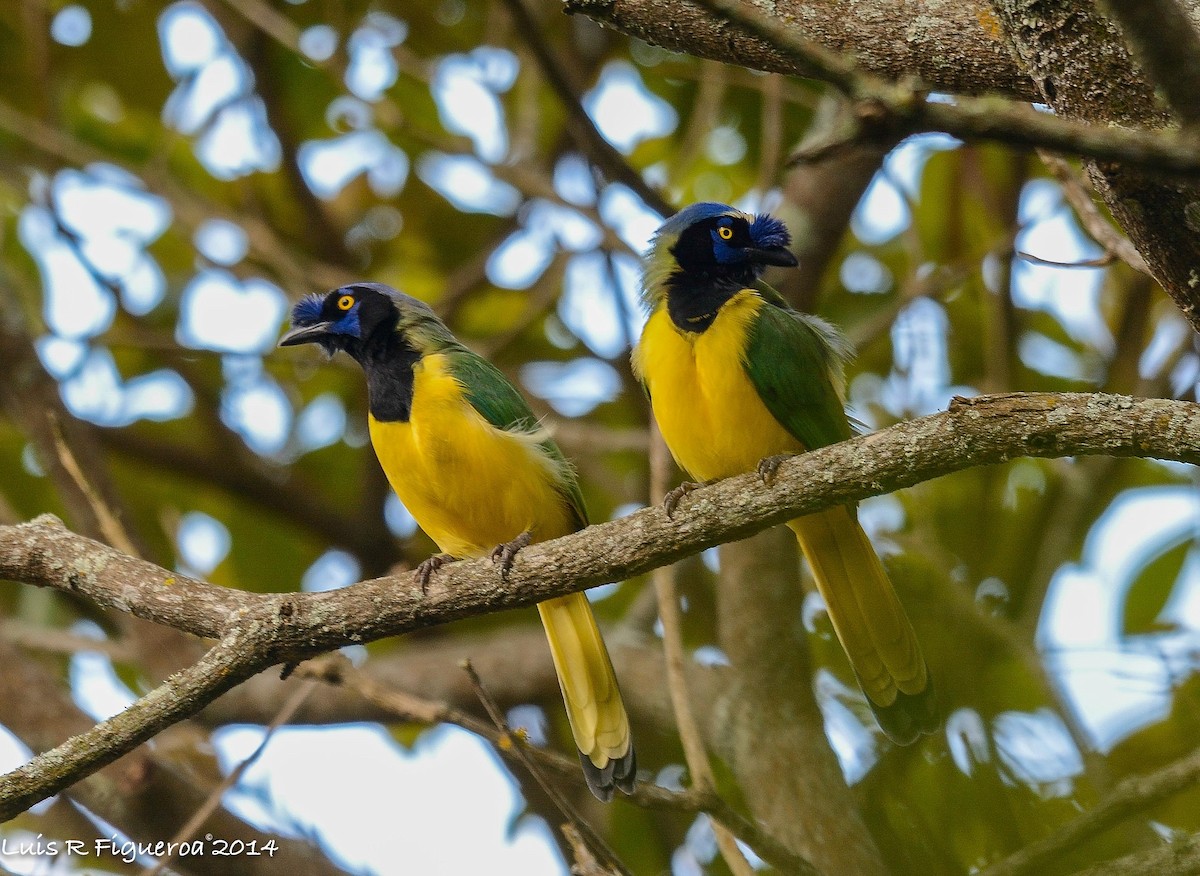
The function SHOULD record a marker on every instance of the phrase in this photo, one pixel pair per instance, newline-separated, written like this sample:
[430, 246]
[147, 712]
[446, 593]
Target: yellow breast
[469, 485]
[709, 412]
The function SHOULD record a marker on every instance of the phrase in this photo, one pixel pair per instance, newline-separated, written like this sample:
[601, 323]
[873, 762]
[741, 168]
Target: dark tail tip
[619, 773]
[909, 715]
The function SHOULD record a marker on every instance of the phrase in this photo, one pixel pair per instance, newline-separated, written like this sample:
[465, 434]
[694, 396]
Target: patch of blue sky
[382, 809]
[1117, 686]
[321, 423]
[570, 228]
[214, 95]
[71, 25]
[632, 220]
[399, 519]
[852, 742]
[221, 241]
[61, 357]
[318, 42]
[1170, 330]
[332, 570]
[95, 392]
[95, 687]
[624, 110]
[74, 305]
[373, 68]
[967, 740]
[699, 848]
[189, 38]
[919, 381]
[115, 220]
[195, 101]
[572, 388]
[1049, 231]
[202, 542]
[1038, 751]
[531, 719]
[526, 254]
[14, 753]
[329, 165]
[239, 141]
[862, 273]
[217, 311]
[465, 87]
[725, 145]
[1051, 358]
[258, 410]
[521, 258]
[574, 181]
[883, 211]
[468, 184]
[588, 306]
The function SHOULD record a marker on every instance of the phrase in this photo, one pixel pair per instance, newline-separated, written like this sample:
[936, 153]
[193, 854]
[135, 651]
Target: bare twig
[1130, 796]
[595, 843]
[407, 707]
[193, 825]
[1079, 196]
[672, 624]
[591, 141]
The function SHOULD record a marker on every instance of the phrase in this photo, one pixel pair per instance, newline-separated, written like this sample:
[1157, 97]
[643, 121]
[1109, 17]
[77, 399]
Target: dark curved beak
[773, 255]
[305, 334]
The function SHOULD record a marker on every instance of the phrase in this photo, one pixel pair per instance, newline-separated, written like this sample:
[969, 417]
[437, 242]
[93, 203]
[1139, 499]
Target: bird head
[718, 242]
[361, 316]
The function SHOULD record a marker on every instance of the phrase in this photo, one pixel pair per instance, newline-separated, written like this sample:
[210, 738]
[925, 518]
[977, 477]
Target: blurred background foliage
[174, 175]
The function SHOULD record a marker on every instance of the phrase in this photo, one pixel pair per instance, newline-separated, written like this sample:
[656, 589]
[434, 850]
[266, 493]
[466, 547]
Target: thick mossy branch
[258, 630]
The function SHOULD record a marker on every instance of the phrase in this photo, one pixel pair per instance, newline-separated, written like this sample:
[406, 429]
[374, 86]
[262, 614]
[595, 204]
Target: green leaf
[1150, 589]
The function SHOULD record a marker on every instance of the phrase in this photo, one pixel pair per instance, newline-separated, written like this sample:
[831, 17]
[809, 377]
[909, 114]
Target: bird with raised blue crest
[738, 381]
[471, 462]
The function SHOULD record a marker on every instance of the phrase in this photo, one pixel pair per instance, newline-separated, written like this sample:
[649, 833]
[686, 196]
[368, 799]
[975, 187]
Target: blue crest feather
[767, 231]
[308, 310]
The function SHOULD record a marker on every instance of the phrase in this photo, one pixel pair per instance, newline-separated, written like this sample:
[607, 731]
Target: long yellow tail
[589, 689]
[870, 622]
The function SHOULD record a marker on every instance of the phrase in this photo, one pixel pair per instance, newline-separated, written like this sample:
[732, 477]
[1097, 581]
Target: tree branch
[259, 630]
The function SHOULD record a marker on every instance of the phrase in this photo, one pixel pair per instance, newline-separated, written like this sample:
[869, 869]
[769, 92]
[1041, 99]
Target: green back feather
[795, 361]
[498, 401]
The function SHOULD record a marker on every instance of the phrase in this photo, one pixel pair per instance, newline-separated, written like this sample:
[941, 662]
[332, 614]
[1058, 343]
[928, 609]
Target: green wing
[795, 362]
[499, 402]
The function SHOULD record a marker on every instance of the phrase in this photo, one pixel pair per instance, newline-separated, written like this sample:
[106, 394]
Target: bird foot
[428, 567]
[769, 467]
[504, 554]
[671, 499]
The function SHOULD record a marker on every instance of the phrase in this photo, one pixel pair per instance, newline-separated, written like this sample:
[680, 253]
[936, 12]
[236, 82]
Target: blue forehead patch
[690, 215]
[308, 310]
[767, 231]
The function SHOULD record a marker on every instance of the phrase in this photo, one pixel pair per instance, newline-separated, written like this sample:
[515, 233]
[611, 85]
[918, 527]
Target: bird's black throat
[694, 298]
[388, 360]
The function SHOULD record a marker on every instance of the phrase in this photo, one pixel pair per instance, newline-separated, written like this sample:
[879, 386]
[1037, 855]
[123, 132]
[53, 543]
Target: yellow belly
[469, 485]
[709, 412]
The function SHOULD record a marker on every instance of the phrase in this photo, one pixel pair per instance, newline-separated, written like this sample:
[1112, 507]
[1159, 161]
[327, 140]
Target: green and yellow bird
[468, 459]
[738, 379]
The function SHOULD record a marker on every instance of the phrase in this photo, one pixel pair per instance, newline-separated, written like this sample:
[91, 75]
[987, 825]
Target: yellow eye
[345, 302]
[726, 232]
